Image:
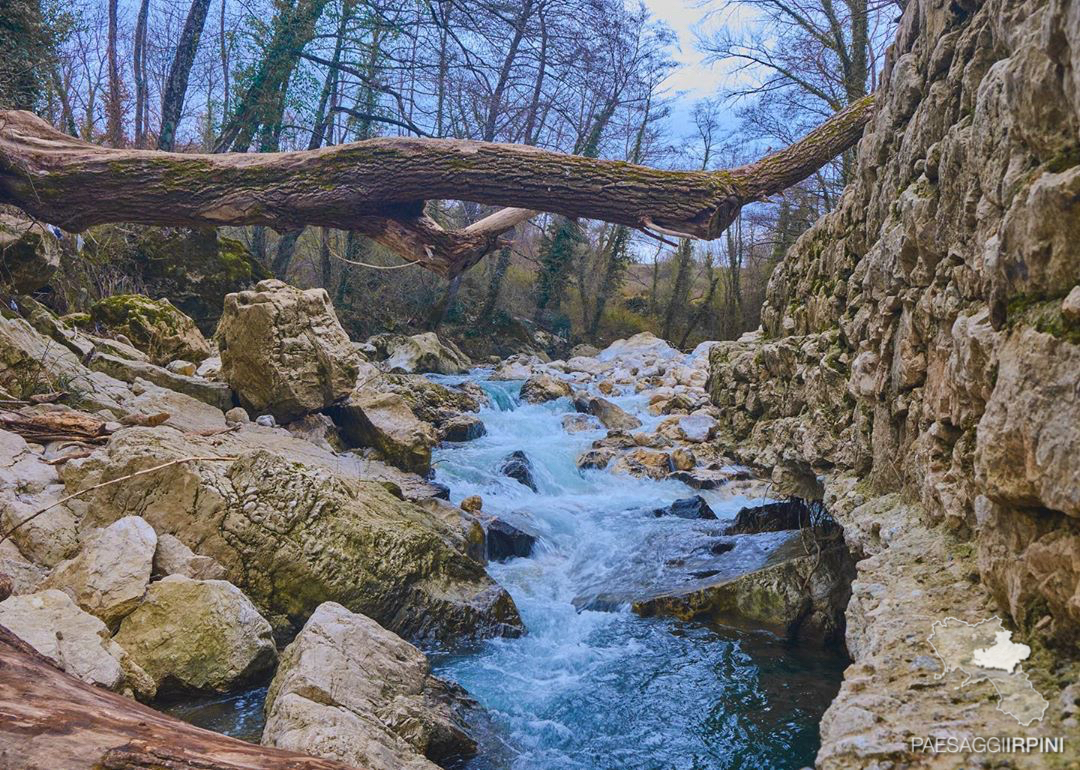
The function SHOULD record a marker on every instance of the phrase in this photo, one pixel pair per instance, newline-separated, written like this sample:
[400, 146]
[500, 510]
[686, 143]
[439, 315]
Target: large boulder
[80, 644]
[771, 517]
[109, 576]
[639, 346]
[292, 528]
[802, 592]
[29, 254]
[419, 353]
[154, 326]
[544, 387]
[198, 635]
[348, 689]
[283, 350]
[194, 268]
[384, 421]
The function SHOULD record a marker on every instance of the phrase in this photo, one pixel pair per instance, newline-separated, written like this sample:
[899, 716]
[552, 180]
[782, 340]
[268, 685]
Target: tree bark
[172, 104]
[49, 719]
[378, 186]
[114, 109]
[139, 70]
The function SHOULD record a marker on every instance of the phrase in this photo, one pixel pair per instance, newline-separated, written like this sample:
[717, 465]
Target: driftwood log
[379, 186]
[50, 720]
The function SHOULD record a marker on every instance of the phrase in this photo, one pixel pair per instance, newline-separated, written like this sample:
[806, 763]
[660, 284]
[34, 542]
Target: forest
[587, 77]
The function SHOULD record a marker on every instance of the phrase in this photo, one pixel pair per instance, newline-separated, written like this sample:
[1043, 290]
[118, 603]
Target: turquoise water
[594, 690]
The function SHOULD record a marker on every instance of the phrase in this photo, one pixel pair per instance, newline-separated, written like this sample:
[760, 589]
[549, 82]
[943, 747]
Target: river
[592, 686]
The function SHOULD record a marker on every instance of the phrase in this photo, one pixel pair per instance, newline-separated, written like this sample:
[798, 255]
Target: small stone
[687, 508]
[472, 504]
[516, 465]
[238, 415]
[575, 423]
[595, 458]
[266, 420]
[179, 366]
[543, 387]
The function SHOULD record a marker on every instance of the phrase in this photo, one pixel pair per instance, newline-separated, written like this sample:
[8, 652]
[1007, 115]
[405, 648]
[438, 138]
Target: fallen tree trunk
[379, 186]
[49, 719]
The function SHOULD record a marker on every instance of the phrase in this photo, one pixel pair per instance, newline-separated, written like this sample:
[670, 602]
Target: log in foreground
[379, 186]
[49, 719]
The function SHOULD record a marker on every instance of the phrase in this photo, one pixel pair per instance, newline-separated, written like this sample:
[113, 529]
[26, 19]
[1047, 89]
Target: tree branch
[378, 186]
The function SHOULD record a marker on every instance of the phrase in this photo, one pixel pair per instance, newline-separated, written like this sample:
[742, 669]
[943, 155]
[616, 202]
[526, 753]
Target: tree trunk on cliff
[378, 186]
[172, 104]
[49, 719]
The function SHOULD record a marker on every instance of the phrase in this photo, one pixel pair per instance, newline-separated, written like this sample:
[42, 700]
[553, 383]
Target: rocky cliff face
[924, 338]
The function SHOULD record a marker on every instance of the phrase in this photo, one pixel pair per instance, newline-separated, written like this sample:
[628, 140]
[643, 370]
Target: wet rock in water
[283, 350]
[709, 478]
[644, 463]
[384, 421]
[465, 427]
[772, 517]
[615, 439]
[348, 689]
[682, 459]
[687, 508]
[472, 504]
[576, 423]
[544, 387]
[595, 458]
[505, 541]
[198, 635]
[80, 644]
[517, 466]
[611, 415]
[109, 576]
[696, 428]
[154, 326]
[802, 592]
[427, 352]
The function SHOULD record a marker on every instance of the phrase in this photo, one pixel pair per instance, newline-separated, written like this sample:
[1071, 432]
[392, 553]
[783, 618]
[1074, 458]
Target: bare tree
[172, 104]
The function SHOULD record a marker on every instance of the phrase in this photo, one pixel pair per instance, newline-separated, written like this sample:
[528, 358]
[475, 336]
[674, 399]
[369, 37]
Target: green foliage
[556, 255]
[28, 48]
[1043, 315]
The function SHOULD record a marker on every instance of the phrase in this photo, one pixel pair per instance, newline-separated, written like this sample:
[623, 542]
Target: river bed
[603, 689]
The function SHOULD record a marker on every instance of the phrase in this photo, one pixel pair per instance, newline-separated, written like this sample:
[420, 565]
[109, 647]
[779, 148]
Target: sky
[694, 78]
